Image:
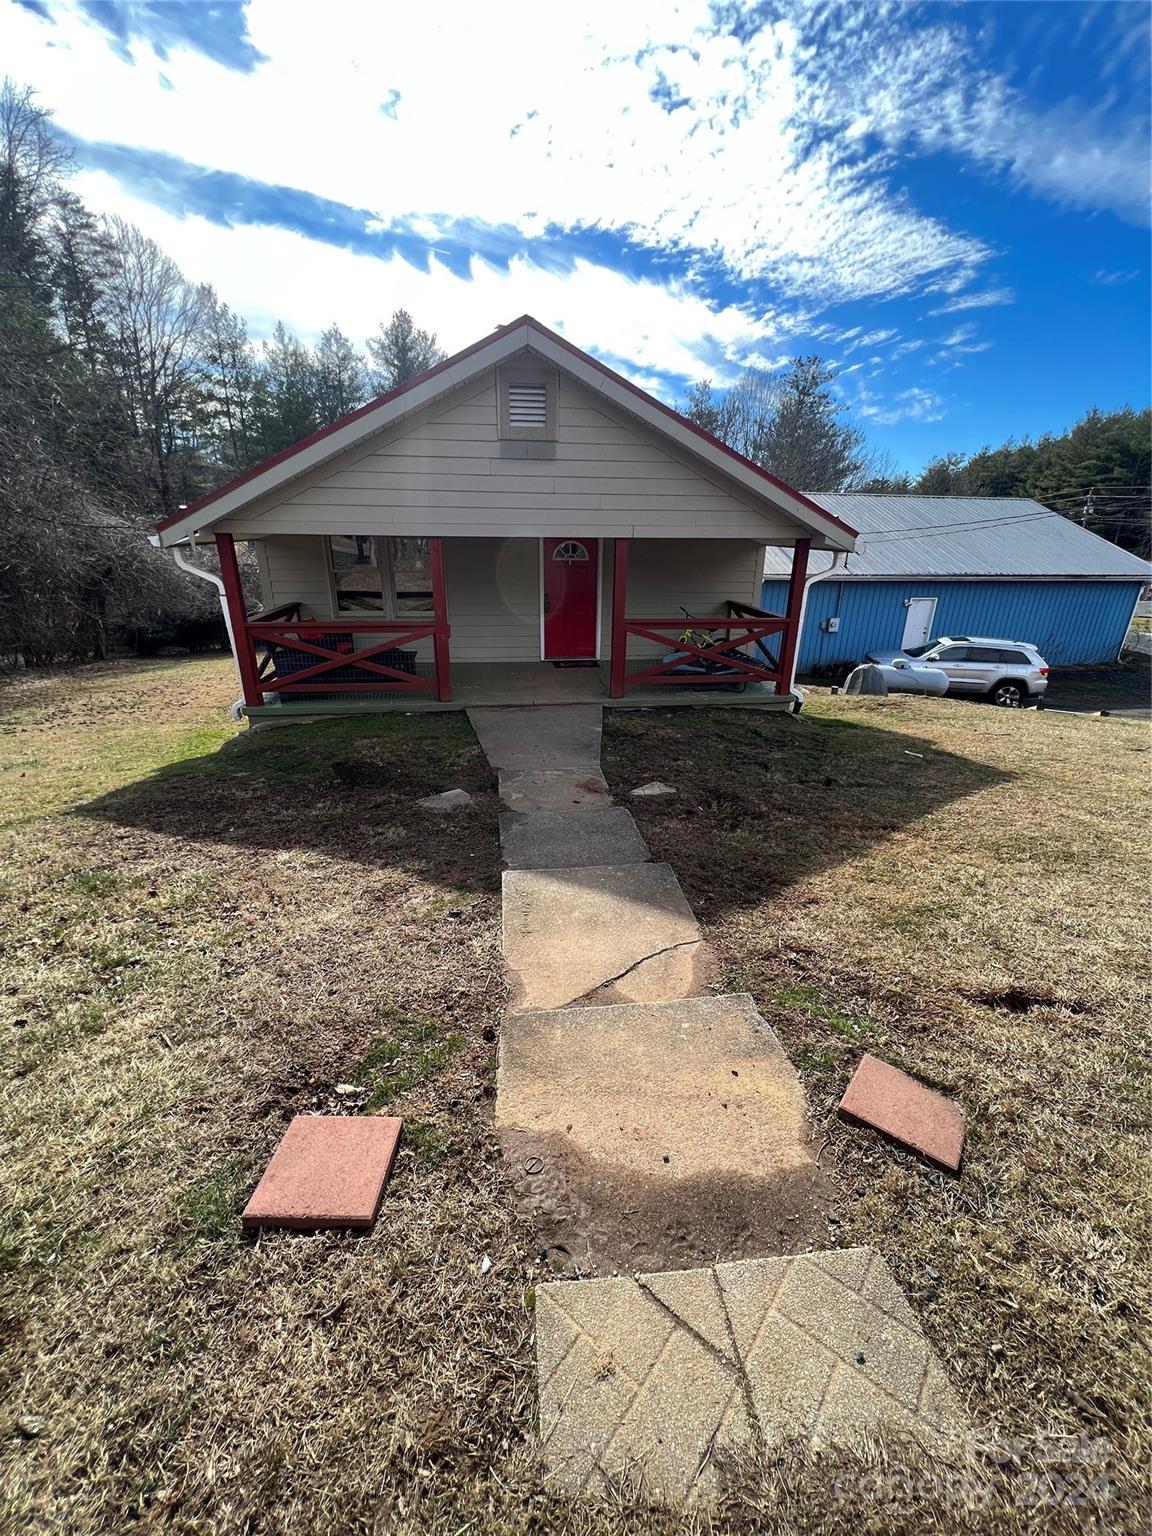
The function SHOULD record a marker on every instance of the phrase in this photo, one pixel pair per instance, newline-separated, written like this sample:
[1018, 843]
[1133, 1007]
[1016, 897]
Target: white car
[1007, 672]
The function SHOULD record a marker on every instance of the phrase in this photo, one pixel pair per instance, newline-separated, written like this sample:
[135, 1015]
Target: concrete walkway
[649, 1127]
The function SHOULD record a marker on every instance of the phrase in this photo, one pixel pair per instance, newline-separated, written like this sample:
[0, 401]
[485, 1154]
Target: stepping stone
[625, 933]
[571, 839]
[647, 1135]
[449, 800]
[554, 789]
[889, 1101]
[563, 736]
[328, 1171]
[659, 1379]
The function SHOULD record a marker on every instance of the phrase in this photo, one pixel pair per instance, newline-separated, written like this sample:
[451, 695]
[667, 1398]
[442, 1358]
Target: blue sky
[949, 201]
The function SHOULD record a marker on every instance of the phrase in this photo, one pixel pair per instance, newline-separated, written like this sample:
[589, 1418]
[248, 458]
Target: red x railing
[339, 666]
[694, 661]
[333, 654]
[695, 657]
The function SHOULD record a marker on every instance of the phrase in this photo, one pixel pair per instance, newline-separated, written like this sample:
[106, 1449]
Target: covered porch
[295, 661]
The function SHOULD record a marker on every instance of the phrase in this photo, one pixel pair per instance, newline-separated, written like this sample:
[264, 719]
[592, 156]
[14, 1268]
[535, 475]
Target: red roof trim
[498, 334]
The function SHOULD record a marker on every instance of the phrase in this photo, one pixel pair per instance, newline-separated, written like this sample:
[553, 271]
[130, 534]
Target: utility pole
[1089, 506]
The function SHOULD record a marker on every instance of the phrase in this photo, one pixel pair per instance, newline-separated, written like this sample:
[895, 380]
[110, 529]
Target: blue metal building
[926, 566]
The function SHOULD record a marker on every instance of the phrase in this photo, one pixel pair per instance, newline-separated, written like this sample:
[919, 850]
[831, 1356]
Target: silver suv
[1005, 671]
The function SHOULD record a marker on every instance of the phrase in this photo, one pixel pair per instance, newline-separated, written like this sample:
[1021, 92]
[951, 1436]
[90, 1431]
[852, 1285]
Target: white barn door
[918, 621]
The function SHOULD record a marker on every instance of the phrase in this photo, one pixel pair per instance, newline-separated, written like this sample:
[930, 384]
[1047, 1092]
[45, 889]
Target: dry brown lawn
[199, 942]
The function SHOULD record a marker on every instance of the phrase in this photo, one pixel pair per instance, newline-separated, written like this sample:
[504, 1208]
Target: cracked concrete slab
[577, 837]
[660, 1380]
[602, 934]
[554, 789]
[558, 736]
[647, 1135]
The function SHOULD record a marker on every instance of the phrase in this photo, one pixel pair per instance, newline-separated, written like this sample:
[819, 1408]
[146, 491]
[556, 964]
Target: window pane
[356, 573]
[983, 653]
[411, 575]
[951, 653]
[1014, 658]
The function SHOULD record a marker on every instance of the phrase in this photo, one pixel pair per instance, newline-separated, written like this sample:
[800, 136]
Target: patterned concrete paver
[645, 1135]
[658, 1380]
[606, 933]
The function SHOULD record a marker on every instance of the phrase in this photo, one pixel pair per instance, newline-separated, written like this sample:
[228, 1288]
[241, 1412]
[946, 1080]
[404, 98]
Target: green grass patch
[208, 1210]
[428, 1143]
[813, 1002]
[413, 1051]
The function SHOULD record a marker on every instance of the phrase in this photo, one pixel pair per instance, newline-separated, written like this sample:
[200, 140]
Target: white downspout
[810, 581]
[218, 583]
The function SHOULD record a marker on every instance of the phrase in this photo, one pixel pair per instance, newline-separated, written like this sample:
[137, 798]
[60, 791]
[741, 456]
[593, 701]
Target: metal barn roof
[964, 536]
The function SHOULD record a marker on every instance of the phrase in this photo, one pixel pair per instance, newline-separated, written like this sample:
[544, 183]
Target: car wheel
[1007, 694]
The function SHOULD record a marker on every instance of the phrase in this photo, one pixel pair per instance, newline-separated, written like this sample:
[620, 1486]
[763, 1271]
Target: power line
[941, 530]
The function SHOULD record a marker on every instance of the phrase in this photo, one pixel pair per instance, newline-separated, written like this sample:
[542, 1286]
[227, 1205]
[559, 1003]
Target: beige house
[518, 524]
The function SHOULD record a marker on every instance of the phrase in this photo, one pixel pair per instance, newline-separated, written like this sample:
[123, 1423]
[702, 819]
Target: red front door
[571, 594]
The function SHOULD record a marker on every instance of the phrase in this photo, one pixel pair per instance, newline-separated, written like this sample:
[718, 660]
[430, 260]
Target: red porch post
[791, 638]
[440, 610]
[619, 614]
[242, 647]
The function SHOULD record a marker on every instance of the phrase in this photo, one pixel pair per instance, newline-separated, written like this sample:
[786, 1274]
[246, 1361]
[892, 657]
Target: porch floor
[523, 682]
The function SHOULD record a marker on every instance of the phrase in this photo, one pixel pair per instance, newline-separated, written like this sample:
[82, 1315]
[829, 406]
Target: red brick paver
[328, 1171]
[897, 1105]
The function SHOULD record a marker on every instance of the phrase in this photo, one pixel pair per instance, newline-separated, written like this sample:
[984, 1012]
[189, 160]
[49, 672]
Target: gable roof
[968, 536]
[827, 528]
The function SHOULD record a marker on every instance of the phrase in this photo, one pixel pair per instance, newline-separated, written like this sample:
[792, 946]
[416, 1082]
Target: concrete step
[656, 1134]
[571, 839]
[606, 933]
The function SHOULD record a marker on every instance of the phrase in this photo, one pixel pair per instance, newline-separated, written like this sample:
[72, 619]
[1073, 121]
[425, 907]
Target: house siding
[1071, 623]
[493, 586]
[446, 471]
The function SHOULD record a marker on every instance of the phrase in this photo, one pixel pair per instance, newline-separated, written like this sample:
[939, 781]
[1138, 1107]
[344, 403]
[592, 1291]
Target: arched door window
[570, 550]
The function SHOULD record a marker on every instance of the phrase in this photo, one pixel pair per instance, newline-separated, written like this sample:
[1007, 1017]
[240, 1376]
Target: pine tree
[401, 351]
[789, 423]
[341, 378]
[228, 386]
[284, 395]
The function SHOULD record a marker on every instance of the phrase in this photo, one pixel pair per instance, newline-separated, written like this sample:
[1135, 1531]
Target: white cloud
[268, 274]
[984, 300]
[867, 339]
[780, 171]
[913, 404]
[925, 89]
[542, 123]
[1113, 279]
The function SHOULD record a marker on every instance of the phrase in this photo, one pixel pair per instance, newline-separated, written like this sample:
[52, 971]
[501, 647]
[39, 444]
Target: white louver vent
[527, 405]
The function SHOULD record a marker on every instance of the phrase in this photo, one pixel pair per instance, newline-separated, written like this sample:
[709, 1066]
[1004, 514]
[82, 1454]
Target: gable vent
[527, 405]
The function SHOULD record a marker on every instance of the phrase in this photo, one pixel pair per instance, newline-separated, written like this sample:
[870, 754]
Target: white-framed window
[570, 551]
[526, 403]
[389, 577]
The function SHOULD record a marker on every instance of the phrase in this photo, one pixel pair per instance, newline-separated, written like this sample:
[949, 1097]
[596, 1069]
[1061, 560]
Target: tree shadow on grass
[341, 789]
[764, 801]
